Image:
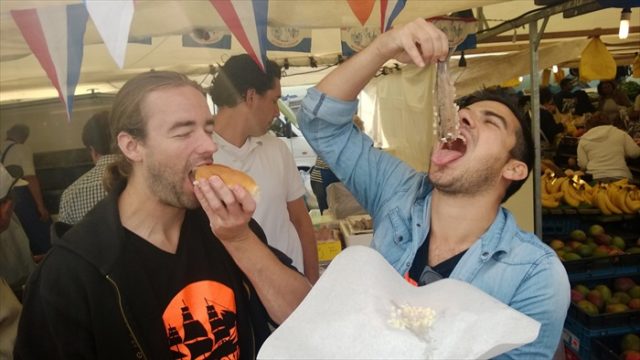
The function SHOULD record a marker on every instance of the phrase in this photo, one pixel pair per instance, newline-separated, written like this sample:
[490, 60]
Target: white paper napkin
[346, 316]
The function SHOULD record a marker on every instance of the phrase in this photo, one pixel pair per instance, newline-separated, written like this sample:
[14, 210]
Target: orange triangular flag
[362, 9]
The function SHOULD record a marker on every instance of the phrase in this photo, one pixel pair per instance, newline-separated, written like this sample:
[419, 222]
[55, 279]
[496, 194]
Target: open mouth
[449, 151]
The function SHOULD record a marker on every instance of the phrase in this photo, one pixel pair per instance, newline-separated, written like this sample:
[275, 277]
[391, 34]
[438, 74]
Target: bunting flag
[289, 39]
[361, 9]
[55, 35]
[113, 21]
[389, 11]
[247, 21]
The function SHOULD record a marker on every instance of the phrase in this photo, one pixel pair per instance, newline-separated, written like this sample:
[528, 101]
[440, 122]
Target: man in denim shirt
[449, 223]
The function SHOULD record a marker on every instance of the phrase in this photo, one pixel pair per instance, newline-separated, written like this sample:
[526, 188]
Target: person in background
[548, 125]
[162, 256]
[84, 193]
[247, 101]
[602, 150]
[583, 103]
[322, 176]
[29, 204]
[16, 260]
[448, 223]
[566, 85]
[612, 100]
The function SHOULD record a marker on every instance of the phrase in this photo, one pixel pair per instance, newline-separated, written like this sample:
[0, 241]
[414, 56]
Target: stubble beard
[474, 180]
[167, 186]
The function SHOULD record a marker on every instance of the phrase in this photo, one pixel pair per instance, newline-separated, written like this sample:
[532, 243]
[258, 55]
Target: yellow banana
[549, 202]
[556, 184]
[601, 201]
[618, 200]
[613, 208]
[633, 205]
[570, 196]
[620, 182]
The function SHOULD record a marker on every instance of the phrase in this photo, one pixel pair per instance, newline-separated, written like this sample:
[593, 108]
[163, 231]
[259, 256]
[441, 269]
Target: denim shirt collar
[497, 238]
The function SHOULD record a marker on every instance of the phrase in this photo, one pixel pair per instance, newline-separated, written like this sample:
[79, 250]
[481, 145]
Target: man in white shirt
[247, 100]
[29, 203]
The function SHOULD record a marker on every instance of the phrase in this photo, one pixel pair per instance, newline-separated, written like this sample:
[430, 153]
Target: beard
[167, 185]
[472, 181]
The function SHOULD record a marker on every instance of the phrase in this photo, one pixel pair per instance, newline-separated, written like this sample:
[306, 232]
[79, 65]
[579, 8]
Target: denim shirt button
[485, 255]
[418, 225]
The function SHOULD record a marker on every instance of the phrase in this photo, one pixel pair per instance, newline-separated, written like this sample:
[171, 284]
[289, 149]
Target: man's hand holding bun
[225, 196]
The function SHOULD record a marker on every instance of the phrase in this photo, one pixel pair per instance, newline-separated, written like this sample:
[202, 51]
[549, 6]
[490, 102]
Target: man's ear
[250, 96]
[515, 170]
[129, 146]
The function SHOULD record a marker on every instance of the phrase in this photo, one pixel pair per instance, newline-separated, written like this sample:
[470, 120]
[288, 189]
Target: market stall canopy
[181, 35]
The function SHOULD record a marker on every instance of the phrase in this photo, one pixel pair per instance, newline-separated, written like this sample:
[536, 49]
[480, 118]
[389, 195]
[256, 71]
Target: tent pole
[535, 125]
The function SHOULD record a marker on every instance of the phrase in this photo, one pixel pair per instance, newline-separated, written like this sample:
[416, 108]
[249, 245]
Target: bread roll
[229, 176]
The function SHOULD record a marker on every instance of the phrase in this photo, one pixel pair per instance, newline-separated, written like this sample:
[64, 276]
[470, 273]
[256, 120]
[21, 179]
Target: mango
[616, 308]
[630, 342]
[623, 284]
[587, 307]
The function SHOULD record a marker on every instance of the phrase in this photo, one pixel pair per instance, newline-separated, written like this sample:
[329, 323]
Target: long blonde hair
[126, 115]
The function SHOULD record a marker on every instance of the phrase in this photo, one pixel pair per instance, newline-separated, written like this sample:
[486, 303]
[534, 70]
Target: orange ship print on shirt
[201, 322]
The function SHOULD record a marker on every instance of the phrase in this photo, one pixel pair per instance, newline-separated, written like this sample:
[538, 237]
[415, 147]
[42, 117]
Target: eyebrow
[189, 123]
[496, 115]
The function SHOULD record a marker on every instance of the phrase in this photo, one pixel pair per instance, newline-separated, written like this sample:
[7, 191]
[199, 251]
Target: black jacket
[80, 302]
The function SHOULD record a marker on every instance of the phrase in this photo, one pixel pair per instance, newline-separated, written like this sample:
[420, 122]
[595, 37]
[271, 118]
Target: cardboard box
[356, 236]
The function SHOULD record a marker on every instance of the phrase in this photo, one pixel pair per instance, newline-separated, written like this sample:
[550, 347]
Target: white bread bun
[229, 176]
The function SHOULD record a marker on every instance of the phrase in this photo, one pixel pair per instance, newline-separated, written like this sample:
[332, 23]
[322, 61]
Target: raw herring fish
[446, 111]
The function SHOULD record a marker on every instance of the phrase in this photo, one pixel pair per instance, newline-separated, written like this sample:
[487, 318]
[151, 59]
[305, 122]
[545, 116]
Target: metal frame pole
[535, 36]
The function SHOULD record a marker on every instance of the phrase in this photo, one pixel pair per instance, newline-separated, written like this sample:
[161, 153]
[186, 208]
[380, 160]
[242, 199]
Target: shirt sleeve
[372, 175]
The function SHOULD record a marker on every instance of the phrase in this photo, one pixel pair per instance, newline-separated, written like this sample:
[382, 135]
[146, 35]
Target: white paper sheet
[346, 316]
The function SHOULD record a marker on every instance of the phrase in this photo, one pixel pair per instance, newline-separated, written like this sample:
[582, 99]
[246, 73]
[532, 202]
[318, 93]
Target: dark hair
[564, 82]
[127, 115]
[597, 119]
[546, 96]
[602, 83]
[96, 133]
[18, 133]
[239, 74]
[583, 103]
[523, 149]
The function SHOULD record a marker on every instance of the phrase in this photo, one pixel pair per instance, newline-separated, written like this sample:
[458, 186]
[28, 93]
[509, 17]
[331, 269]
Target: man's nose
[207, 145]
[466, 118]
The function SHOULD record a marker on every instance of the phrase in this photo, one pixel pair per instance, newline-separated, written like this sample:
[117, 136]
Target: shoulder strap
[4, 154]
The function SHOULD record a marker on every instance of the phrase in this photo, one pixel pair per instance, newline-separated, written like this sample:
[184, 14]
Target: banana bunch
[550, 186]
[569, 189]
[618, 197]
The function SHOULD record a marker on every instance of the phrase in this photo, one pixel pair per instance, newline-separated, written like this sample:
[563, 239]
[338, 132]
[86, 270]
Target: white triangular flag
[113, 21]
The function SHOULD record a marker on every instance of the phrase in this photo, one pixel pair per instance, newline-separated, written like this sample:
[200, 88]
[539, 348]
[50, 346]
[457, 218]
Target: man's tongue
[444, 156]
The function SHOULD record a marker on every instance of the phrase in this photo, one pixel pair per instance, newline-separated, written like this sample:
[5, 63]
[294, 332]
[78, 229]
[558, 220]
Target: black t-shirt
[444, 269]
[199, 295]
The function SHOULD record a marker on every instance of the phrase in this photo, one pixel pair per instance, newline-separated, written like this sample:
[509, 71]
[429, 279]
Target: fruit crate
[627, 318]
[580, 340]
[607, 348]
[560, 225]
[585, 267]
[601, 321]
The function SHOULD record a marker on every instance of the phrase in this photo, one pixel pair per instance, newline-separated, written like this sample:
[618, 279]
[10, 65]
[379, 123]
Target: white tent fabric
[166, 21]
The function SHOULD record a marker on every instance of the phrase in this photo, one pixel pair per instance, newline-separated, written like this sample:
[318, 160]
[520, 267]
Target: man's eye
[490, 122]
